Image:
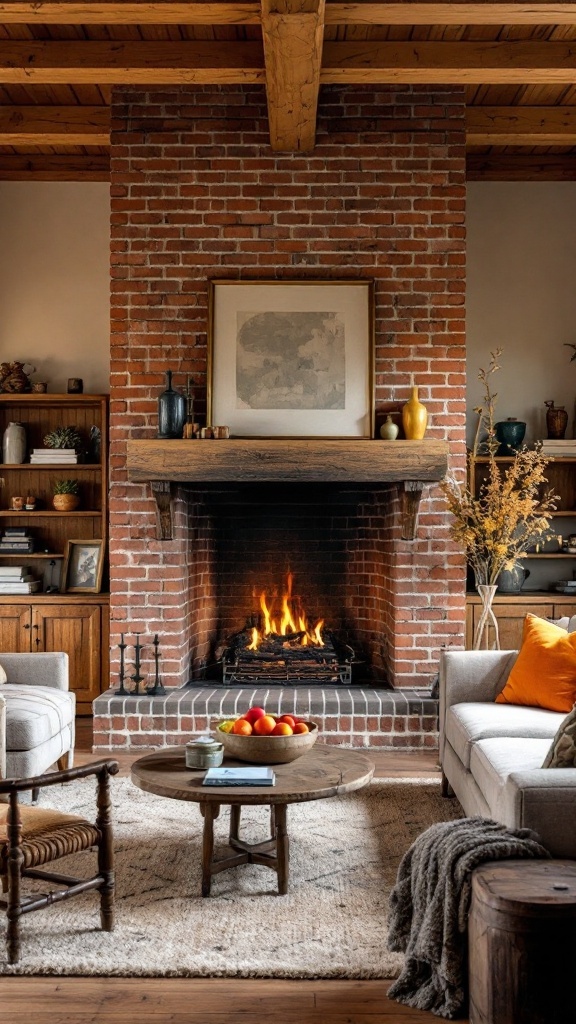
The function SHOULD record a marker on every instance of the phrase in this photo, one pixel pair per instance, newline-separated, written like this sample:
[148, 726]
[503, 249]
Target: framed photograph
[292, 358]
[82, 568]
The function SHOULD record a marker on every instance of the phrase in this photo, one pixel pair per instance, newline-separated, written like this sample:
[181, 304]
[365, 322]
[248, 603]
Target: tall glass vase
[487, 620]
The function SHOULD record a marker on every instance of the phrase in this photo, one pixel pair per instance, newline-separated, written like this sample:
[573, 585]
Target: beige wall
[521, 296]
[54, 280]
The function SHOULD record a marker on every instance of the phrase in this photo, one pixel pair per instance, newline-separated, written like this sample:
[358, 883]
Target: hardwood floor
[203, 1000]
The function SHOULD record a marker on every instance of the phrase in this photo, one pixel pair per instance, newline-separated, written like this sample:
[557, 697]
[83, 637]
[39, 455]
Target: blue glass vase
[171, 411]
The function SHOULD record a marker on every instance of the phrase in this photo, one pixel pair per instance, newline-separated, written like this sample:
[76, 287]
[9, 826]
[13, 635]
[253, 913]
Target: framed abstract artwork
[291, 358]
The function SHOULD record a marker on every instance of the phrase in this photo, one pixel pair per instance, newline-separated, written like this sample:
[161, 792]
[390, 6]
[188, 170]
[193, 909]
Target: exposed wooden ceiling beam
[521, 126]
[520, 167]
[49, 167]
[126, 63]
[90, 126]
[449, 63]
[517, 12]
[232, 63]
[230, 12]
[53, 126]
[292, 33]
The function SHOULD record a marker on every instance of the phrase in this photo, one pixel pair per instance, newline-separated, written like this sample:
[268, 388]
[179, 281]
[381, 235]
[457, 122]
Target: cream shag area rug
[344, 853]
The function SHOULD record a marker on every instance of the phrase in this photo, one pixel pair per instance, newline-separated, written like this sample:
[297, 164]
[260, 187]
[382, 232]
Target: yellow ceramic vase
[414, 417]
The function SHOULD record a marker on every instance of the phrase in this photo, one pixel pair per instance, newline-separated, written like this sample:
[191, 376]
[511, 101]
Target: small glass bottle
[171, 411]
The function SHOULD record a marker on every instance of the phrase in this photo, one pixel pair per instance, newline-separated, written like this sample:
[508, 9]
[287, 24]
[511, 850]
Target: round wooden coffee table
[322, 772]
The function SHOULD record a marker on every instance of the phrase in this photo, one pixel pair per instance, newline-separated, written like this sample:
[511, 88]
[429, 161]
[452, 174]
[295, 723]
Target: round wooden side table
[522, 942]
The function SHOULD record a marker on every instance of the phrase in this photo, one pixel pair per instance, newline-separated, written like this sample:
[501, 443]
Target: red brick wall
[197, 193]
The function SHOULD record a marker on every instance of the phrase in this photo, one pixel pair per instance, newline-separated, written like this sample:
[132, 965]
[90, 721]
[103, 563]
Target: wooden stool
[522, 942]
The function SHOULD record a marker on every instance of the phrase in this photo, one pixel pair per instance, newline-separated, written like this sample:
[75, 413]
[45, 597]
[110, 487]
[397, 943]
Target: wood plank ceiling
[59, 60]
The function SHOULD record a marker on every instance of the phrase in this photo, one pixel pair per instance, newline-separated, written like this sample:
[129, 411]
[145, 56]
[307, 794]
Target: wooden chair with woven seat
[31, 837]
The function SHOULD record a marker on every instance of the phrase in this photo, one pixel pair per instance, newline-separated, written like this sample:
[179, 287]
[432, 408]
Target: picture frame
[292, 358]
[82, 567]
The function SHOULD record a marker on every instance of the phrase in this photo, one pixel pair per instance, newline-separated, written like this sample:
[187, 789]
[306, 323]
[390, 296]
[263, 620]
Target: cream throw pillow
[3, 676]
[562, 753]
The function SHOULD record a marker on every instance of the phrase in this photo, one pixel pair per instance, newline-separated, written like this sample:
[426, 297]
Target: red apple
[254, 714]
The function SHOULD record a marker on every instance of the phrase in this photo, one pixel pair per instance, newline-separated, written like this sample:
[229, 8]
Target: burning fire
[290, 621]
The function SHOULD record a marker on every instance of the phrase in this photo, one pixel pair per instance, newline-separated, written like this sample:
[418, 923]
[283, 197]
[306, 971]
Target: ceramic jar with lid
[204, 752]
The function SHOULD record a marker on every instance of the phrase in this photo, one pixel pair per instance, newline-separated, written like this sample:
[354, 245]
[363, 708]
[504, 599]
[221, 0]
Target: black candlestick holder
[122, 691]
[158, 688]
[136, 677]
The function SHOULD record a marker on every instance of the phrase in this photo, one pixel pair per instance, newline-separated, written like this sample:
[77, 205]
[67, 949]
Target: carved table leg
[282, 848]
[14, 867]
[105, 852]
[210, 812]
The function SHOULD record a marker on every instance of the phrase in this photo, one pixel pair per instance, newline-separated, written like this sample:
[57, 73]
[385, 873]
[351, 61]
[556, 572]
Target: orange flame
[291, 619]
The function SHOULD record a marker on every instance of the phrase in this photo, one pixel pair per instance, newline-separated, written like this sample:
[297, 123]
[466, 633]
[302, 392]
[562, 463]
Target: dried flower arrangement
[511, 511]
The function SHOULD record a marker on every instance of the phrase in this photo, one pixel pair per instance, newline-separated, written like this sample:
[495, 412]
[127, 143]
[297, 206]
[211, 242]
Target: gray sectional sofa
[491, 754]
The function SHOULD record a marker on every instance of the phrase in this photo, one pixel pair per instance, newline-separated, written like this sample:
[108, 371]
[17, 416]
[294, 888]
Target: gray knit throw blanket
[429, 907]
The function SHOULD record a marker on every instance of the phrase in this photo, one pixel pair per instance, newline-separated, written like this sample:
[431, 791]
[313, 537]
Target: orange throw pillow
[544, 675]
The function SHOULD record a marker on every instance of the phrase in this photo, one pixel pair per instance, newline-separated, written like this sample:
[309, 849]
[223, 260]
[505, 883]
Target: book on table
[256, 775]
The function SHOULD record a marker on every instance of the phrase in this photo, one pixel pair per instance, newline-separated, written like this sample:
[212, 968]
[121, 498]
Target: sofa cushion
[562, 753]
[492, 761]
[468, 723]
[3, 676]
[35, 714]
[544, 673]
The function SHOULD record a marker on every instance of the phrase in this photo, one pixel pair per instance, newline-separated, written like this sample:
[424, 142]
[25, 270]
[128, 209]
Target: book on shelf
[6, 578]
[20, 588]
[16, 531]
[15, 570]
[249, 776]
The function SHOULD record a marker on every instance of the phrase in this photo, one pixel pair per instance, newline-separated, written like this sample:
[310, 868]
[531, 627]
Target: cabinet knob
[27, 626]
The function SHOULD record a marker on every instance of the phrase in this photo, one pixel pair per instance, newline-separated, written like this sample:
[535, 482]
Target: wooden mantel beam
[234, 12]
[213, 63]
[410, 464]
[521, 126]
[292, 32]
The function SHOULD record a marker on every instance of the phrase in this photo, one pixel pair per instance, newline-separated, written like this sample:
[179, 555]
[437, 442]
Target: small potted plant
[64, 437]
[66, 497]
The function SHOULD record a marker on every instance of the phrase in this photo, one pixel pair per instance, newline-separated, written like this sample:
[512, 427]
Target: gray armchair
[39, 714]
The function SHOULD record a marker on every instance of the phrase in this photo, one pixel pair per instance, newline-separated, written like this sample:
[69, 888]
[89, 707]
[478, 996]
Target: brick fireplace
[197, 194]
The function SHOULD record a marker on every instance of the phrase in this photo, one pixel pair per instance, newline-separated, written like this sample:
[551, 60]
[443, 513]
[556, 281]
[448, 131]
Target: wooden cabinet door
[511, 621]
[75, 629]
[15, 628]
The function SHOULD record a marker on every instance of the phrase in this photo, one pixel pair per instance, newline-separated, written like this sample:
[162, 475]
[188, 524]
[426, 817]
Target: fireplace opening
[290, 582]
[280, 645]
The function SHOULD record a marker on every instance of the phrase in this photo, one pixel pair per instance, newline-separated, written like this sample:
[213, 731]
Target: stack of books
[559, 448]
[54, 456]
[16, 540]
[249, 776]
[18, 579]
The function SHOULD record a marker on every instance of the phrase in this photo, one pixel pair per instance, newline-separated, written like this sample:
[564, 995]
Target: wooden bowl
[268, 749]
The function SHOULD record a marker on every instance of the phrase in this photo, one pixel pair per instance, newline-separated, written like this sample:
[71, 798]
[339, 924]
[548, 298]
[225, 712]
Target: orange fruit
[301, 727]
[241, 727]
[264, 726]
[282, 729]
[288, 720]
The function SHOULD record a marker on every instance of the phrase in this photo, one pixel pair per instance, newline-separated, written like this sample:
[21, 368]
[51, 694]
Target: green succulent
[63, 437]
[66, 487]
